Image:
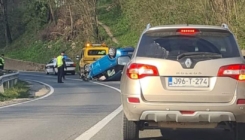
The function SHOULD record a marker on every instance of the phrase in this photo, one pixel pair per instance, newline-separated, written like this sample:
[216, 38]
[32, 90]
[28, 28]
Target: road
[72, 110]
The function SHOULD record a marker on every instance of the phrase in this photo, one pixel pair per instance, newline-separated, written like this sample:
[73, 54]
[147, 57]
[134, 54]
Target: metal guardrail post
[8, 80]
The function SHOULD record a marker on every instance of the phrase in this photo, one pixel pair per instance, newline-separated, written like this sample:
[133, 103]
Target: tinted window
[96, 52]
[169, 45]
[51, 61]
[68, 60]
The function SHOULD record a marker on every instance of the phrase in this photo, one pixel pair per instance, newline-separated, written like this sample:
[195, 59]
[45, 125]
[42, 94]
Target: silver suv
[184, 76]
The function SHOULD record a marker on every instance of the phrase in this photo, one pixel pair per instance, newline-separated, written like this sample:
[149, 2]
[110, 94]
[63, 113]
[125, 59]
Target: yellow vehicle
[91, 53]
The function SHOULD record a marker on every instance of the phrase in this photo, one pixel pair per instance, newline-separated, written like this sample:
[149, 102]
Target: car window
[68, 60]
[170, 45]
[51, 61]
[97, 52]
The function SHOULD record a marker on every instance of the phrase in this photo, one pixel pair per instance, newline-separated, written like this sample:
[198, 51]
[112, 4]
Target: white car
[50, 67]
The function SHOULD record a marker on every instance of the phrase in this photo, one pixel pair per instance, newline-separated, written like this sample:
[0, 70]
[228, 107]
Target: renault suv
[184, 76]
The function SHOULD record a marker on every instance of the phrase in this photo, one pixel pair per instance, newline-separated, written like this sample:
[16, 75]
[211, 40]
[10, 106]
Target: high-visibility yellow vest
[59, 61]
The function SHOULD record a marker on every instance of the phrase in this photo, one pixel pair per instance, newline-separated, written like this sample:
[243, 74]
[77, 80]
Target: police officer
[2, 62]
[64, 65]
[60, 67]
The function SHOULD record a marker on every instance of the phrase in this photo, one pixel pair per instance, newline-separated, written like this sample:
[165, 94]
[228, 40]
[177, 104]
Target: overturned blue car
[109, 67]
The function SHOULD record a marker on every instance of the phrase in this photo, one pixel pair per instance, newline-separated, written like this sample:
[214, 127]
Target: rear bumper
[176, 116]
[170, 112]
[70, 69]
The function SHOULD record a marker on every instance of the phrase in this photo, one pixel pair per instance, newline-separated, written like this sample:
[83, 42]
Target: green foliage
[119, 25]
[36, 14]
[128, 18]
[35, 50]
[20, 90]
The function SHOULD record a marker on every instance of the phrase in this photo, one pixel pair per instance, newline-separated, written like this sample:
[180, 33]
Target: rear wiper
[204, 54]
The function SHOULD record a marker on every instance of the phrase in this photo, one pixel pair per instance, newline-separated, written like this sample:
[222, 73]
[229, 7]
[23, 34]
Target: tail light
[187, 112]
[138, 71]
[133, 100]
[240, 101]
[187, 31]
[235, 71]
[74, 65]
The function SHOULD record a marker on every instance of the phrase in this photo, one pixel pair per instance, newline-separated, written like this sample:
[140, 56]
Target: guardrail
[8, 79]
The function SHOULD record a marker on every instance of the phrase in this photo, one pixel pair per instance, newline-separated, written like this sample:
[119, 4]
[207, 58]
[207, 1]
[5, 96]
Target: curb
[19, 101]
[34, 95]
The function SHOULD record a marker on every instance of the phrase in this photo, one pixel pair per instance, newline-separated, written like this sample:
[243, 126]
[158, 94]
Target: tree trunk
[96, 22]
[71, 18]
[3, 6]
[51, 12]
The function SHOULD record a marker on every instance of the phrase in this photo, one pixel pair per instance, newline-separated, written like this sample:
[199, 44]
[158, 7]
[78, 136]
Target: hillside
[42, 28]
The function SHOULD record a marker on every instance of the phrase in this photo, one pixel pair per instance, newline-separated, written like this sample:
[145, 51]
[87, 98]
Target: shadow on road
[194, 134]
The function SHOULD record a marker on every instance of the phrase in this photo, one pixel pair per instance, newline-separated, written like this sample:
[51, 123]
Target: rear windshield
[96, 52]
[168, 45]
[68, 60]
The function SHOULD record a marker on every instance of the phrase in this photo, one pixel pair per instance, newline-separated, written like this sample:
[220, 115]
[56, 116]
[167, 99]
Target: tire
[55, 73]
[81, 72]
[47, 72]
[239, 131]
[130, 129]
[112, 52]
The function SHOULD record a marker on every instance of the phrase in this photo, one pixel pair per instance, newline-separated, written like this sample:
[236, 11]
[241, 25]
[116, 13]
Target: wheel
[239, 131]
[130, 129]
[55, 72]
[47, 72]
[112, 52]
[81, 72]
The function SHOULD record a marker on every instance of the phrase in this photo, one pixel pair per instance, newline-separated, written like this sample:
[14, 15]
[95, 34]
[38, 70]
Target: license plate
[188, 82]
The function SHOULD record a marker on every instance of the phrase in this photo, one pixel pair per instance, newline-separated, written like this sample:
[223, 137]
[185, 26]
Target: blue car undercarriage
[109, 67]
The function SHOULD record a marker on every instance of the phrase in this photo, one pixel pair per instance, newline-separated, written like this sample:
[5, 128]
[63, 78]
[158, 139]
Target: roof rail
[148, 26]
[225, 26]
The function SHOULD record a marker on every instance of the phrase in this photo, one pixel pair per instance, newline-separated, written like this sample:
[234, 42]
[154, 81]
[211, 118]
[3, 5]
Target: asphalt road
[80, 110]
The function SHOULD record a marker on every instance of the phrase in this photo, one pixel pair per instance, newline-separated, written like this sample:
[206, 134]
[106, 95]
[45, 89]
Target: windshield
[167, 46]
[96, 52]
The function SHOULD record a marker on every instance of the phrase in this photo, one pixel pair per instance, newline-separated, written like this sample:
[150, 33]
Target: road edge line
[51, 91]
[91, 132]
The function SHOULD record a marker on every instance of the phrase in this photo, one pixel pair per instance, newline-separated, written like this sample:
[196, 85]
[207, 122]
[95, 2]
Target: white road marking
[97, 127]
[87, 135]
[48, 94]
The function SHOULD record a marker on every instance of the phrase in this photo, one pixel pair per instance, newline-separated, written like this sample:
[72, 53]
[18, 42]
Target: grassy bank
[20, 90]
[128, 18]
[125, 18]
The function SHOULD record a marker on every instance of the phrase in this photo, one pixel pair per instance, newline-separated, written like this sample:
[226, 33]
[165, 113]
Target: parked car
[51, 69]
[184, 76]
[109, 67]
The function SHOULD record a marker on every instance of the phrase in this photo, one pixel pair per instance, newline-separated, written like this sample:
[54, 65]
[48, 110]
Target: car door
[49, 66]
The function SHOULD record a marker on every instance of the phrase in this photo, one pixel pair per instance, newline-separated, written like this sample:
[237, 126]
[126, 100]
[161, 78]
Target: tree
[3, 7]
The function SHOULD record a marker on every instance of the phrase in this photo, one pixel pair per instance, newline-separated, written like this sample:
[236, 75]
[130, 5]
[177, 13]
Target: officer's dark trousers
[60, 73]
[1, 67]
[63, 73]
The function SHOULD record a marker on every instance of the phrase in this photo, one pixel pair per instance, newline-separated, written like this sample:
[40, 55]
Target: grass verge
[20, 90]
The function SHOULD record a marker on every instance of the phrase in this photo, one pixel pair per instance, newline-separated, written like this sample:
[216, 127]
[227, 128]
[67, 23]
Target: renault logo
[188, 62]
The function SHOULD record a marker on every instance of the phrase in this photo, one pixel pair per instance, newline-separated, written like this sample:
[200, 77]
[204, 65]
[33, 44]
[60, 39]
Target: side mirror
[77, 57]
